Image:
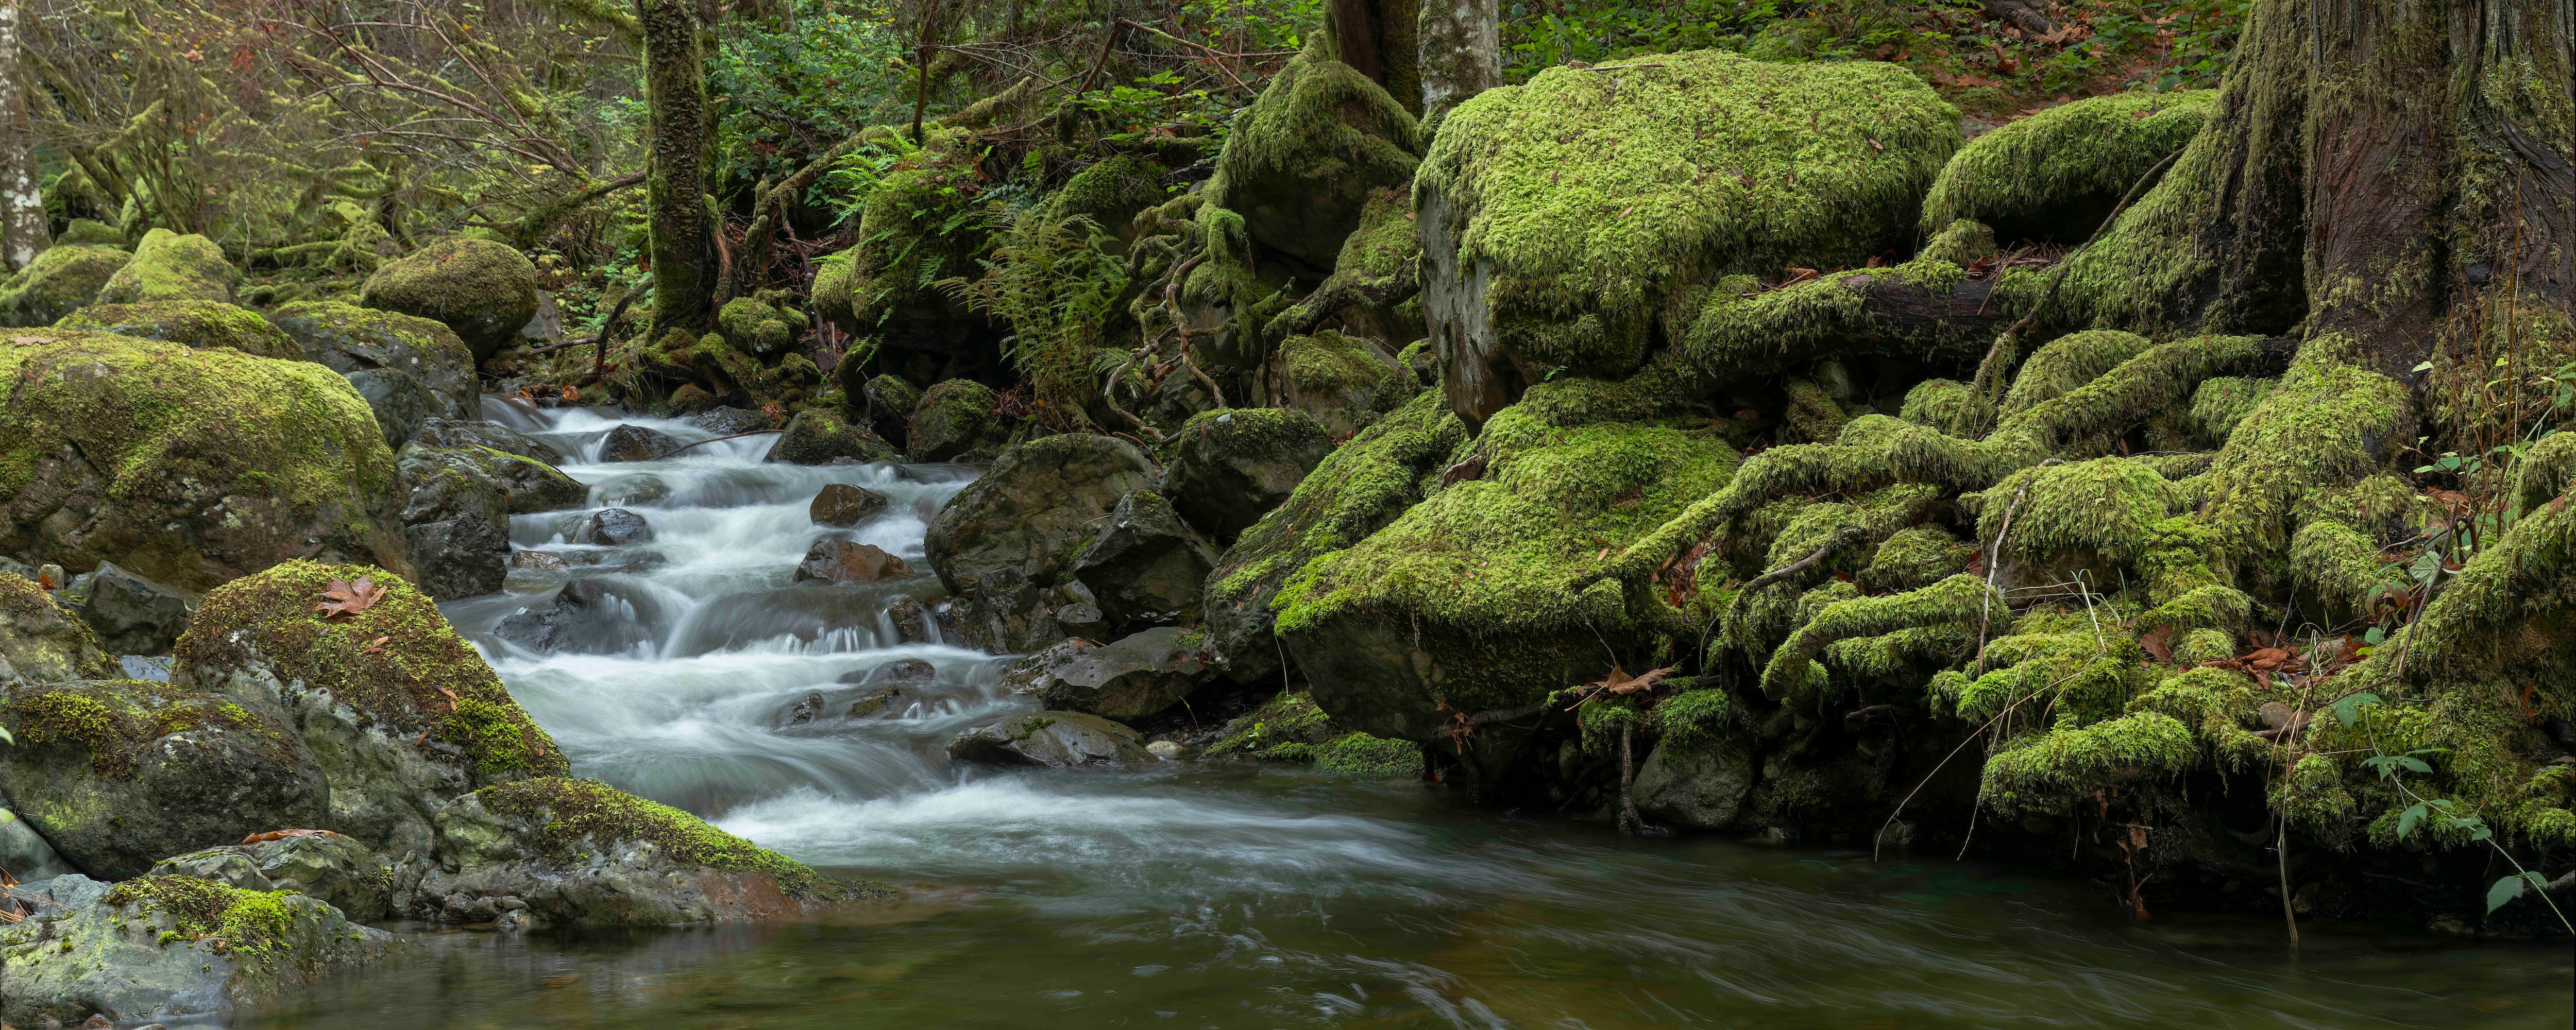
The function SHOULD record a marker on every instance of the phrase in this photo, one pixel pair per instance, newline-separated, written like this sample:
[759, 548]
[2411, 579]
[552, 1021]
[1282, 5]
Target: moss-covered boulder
[1230, 467]
[1463, 604]
[166, 947]
[917, 227]
[582, 852]
[42, 643]
[196, 323]
[820, 436]
[1338, 378]
[89, 231]
[409, 369]
[60, 281]
[1299, 165]
[187, 467]
[1560, 218]
[118, 774]
[885, 402]
[1110, 192]
[483, 290]
[758, 326]
[401, 712]
[322, 865]
[953, 421]
[169, 266]
[2056, 175]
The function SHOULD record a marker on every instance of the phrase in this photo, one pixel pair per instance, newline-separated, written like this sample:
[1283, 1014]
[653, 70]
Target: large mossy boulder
[919, 225]
[1463, 603]
[195, 323]
[1231, 466]
[409, 369]
[42, 643]
[60, 281]
[820, 436]
[1301, 162]
[2056, 175]
[166, 947]
[953, 421]
[118, 774]
[1110, 192]
[401, 713]
[187, 467]
[483, 290]
[580, 851]
[1561, 218]
[169, 266]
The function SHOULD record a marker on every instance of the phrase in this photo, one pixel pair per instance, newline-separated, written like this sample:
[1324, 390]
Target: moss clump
[953, 421]
[62, 280]
[1384, 241]
[919, 226]
[195, 323]
[1743, 328]
[2221, 404]
[1110, 192]
[168, 266]
[1328, 362]
[1299, 165]
[116, 721]
[2066, 364]
[483, 290]
[1360, 756]
[580, 817]
[1287, 727]
[1939, 403]
[2044, 771]
[188, 467]
[254, 925]
[42, 643]
[423, 684]
[2056, 174]
[756, 326]
[2101, 507]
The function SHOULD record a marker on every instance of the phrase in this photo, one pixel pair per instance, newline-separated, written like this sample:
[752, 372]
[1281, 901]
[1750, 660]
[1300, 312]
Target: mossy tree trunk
[682, 247]
[22, 207]
[1462, 52]
[1378, 38]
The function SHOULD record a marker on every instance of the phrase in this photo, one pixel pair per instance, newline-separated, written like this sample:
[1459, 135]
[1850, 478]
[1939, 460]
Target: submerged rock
[843, 505]
[318, 864]
[614, 527]
[1059, 740]
[483, 290]
[1230, 467]
[841, 561]
[170, 946]
[637, 443]
[133, 615]
[1131, 678]
[904, 670]
[587, 617]
[729, 421]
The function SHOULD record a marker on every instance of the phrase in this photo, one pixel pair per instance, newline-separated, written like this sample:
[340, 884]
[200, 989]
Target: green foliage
[784, 89]
[1054, 280]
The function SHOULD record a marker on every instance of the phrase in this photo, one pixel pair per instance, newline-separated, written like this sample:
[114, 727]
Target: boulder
[1144, 566]
[166, 947]
[1136, 676]
[319, 864]
[401, 713]
[817, 436]
[456, 526]
[902, 670]
[637, 443]
[169, 266]
[953, 421]
[730, 421]
[528, 482]
[1034, 510]
[483, 290]
[42, 643]
[911, 619]
[409, 369]
[841, 561]
[613, 527]
[89, 231]
[26, 853]
[194, 323]
[131, 614]
[61, 280]
[1700, 788]
[2056, 174]
[1059, 740]
[580, 851]
[1230, 467]
[844, 505]
[188, 467]
[1302, 161]
[441, 432]
[1009, 615]
[758, 327]
[587, 617]
[889, 400]
[118, 773]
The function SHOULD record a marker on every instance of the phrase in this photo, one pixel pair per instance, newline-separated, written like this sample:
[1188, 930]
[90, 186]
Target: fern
[1056, 283]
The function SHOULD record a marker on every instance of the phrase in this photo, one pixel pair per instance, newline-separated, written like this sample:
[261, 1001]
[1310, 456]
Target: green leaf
[2374, 637]
[2422, 367]
[2504, 890]
[2413, 765]
[5, 738]
[2406, 821]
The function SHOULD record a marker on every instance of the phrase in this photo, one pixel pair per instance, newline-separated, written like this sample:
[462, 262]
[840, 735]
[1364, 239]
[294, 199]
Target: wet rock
[1696, 788]
[579, 851]
[729, 421]
[170, 266]
[171, 946]
[456, 524]
[911, 618]
[1008, 615]
[131, 614]
[1034, 510]
[587, 617]
[804, 710]
[953, 421]
[448, 432]
[614, 527]
[1231, 467]
[322, 865]
[537, 561]
[842, 561]
[26, 853]
[409, 369]
[1168, 750]
[841, 504]
[638, 490]
[63, 279]
[42, 643]
[637, 443]
[1131, 678]
[908, 670]
[874, 704]
[817, 436]
[117, 774]
[483, 290]
[891, 401]
[1144, 566]
[1058, 740]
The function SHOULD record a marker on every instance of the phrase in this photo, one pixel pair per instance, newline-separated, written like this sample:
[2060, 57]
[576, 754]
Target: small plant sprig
[2393, 771]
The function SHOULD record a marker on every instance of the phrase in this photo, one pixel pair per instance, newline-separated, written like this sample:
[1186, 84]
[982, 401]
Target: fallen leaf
[2158, 643]
[451, 698]
[376, 646]
[341, 598]
[263, 838]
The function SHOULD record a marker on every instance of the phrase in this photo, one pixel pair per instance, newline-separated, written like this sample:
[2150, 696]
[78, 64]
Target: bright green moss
[1358, 488]
[1385, 240]
[61, 280]
[1301, 163]
[1693, 720]
[2049, 772]
[584, 816]
[169, 266]
[1961, 243]
[1360, 756]
[116, 721]
[2066, 364]
[2329, 421]
[1742, 328]
[755, 326]
[1285, 721]
[195, 323]
[2222, 403]
[254, 925]
[1916, 557]
[1960, 600]
[2099, 507]
[1941, 403]
[2040, 176]
[1329, 361]
[1111, 191]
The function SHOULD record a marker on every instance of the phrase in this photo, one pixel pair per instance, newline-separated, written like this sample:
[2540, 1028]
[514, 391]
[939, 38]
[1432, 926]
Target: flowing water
[1236, 896]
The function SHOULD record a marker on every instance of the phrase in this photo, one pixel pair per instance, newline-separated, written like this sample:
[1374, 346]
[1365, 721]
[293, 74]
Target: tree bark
[1378, 38]
[23, 233]
[1462, 51]
[682, 247]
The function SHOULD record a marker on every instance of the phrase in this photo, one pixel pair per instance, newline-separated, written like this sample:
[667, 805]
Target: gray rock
[614, 527]
[449, 432]
[911, 618]
[1144, 566]
[537, 561]
[818, 436]
[637, 443]
[1229, 468]
[456, 523]
[890, 403]
[729, 421]
[402, 403]
[842, 561]
[144, 950]
[1701, 789]
[1034, 510]
[25, 853]
[638, 490]
[841, 504]
[42, 643]
[587, 617]
[148, 668]
[134, 615]
[323, 865]
[1131, 678]
[1008, 615]
[1059, 740]
[907, 670]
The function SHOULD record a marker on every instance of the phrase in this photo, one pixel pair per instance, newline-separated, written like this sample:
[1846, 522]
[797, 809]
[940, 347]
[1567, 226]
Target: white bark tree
[22, 205]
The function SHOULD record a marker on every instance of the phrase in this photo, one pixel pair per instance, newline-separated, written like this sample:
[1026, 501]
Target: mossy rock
[402, 725]
[887, 402]
[583, 852]
[911, 235]
[118, 774]
[60, 281]
[1034, 510]
[42, 643]
[1231, 466]
[817, 436]
[187, 467]
[830, 293]
[168, 266]
[2056, 175]
[355, 341]
[1362, 757]
[89, 232]
[196, 323]
[485, 291]
[1110, 192]
[1462, 603]
[325, 866]
[756, 326]
[951, 422]
[1560, 217]
[1334, 377]
[1301, 162]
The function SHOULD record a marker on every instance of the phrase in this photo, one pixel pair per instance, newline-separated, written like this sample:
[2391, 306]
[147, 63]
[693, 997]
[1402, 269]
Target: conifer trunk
[1378, 37]
[682, 245]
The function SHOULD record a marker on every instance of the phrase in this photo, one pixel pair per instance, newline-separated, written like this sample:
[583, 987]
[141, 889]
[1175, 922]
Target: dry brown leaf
[376, 646]
[341, 598]
[263, 838]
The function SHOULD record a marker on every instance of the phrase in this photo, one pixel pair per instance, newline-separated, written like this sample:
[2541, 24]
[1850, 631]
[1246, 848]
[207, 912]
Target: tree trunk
[1462, 52]
[22, 205]
[1377, 37]
[682, 247]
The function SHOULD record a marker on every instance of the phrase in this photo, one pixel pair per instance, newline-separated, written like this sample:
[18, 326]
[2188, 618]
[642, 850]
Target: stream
[1230, 895]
